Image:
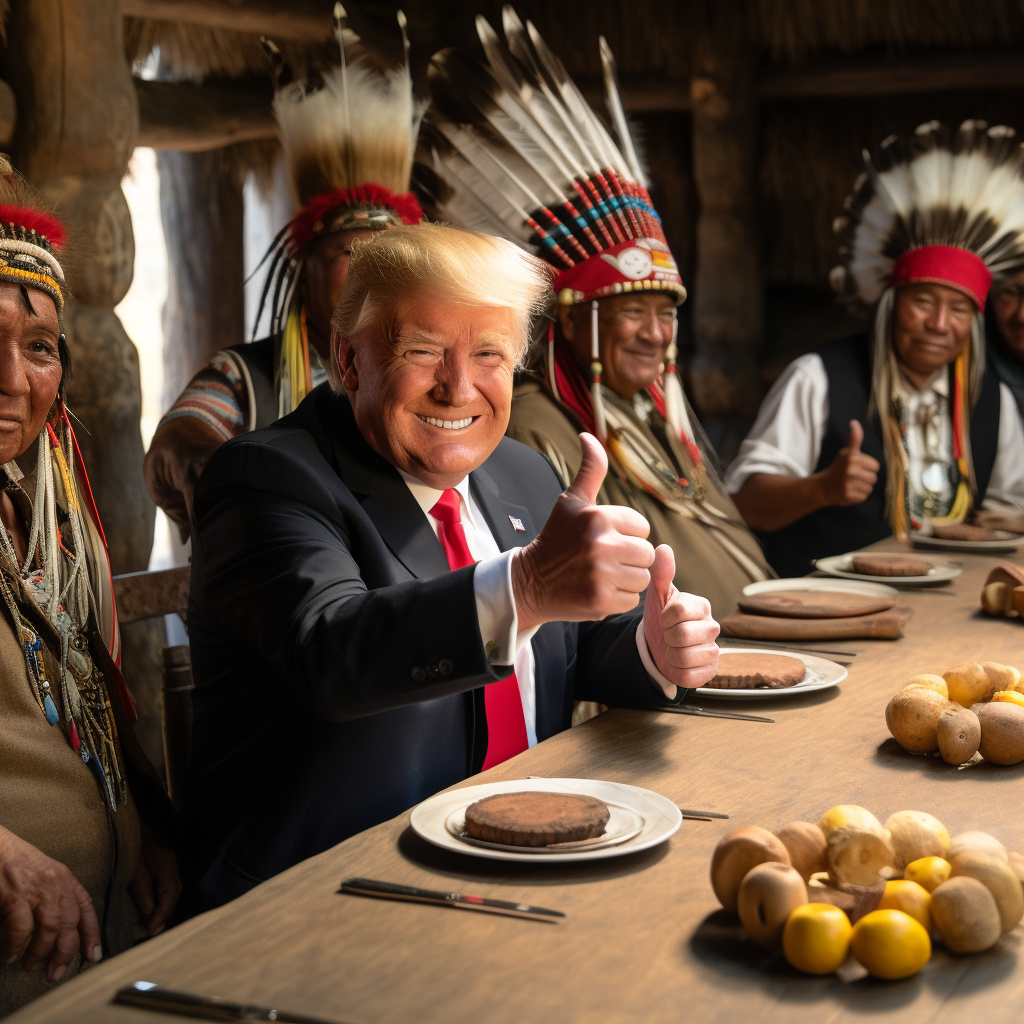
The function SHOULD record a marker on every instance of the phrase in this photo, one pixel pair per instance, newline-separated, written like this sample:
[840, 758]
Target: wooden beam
[308, 20]
[851, 77]
[194, 118]
[147, 595]
[993, 69]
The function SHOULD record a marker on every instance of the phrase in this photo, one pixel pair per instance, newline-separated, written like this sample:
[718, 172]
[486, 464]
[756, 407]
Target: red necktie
[506, 725]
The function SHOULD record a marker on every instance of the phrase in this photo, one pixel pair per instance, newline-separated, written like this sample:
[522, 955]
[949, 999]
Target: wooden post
[76, 129]
[202, 212]
[727, 293]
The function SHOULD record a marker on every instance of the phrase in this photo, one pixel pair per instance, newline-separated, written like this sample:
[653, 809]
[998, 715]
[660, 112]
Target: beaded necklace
[55, 576]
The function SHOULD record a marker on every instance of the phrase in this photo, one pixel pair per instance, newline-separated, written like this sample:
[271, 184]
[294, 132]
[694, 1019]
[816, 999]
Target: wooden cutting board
[887, 625]
[816, 604]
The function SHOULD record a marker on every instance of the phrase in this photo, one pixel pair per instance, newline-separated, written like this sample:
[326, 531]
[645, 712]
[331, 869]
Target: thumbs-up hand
[851, 476]
[678, 627]
[589, 561]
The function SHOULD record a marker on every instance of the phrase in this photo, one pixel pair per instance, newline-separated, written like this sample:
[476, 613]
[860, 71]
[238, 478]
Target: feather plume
[965, 191]
[516, 132]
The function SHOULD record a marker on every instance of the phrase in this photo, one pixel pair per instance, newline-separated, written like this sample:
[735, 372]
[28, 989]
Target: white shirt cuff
[496, 610]
[669, 688]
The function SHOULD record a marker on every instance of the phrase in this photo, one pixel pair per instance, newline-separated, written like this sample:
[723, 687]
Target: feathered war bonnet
[348, 147]
[515, 150]
[943, 211]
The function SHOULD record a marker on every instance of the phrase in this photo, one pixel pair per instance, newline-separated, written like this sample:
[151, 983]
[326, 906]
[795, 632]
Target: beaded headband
[28, 239]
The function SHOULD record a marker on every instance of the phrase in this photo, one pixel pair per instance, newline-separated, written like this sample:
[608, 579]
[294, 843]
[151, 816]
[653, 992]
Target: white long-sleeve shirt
[787, 435]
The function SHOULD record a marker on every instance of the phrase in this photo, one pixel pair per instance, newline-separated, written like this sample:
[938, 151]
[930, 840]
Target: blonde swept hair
[465, 267]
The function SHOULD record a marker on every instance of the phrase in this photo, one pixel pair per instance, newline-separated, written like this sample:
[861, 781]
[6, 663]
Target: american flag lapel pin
[517, 524]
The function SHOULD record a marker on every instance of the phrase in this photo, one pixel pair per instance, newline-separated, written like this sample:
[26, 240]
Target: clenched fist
[589, 561]
[678, 627]
[852, 475]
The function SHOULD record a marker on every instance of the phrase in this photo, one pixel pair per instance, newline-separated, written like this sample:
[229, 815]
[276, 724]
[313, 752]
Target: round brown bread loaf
[741, 671]
[891, 565]
[815, 604]
[963, 531]
[536, 818]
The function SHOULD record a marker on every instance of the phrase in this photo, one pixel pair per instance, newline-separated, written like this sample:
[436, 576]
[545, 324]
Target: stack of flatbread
[816, 615]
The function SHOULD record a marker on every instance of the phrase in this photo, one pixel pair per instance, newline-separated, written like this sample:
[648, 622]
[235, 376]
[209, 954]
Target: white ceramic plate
[817, 583]
[842, 565]
[661, 818]
[819, 674]
[1004, 542]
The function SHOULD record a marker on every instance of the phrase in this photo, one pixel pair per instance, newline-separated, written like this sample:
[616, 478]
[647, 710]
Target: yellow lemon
[1009, 697]
[816, 938]
[890, 944]
[910, 897]
[928, 872]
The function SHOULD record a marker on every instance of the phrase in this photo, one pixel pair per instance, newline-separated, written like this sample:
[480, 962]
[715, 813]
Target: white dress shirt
[787, 435]
[498, 619]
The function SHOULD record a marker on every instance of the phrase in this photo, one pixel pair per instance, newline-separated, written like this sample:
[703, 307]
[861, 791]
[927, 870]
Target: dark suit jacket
[338, 662]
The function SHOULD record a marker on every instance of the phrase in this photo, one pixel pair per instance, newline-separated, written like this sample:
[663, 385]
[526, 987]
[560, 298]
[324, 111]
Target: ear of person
[589, 561]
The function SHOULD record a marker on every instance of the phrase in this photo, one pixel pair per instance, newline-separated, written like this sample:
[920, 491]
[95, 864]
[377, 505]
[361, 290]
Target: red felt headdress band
[946, 265]
[314, 219]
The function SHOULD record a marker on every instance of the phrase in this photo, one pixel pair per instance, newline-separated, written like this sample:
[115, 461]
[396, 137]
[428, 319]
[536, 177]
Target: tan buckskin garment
[49, 798]
[703, 566]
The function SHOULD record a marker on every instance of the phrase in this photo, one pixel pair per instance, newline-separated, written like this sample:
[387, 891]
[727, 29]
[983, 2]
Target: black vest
[841, 528]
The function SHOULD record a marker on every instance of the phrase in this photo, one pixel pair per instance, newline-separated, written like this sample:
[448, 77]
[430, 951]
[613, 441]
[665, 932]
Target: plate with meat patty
[965, 537]
[889, 567]
[751, 672]
[543, 820]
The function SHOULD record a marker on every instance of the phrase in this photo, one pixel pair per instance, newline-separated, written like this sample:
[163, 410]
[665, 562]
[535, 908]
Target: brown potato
[912, 717]
[996, 876]
[927, 681]
[915, 834]
[997, 598]
[1016, 862]
[968, 683]
[1002, 733]
[959, 733]
[736, 854]
[806, 845]
[1002, 677]
[857, 856]
[966, 915]
[975, 841]
[768, 894]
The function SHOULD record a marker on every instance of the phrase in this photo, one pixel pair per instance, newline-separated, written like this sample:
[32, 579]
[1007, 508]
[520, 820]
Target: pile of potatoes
[850, 860]
[974, 707]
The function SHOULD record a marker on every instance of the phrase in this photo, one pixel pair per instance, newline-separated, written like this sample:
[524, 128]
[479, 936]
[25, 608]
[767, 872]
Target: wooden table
[643, 940]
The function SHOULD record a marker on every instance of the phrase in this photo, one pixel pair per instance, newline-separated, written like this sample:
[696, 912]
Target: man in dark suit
[387, 595]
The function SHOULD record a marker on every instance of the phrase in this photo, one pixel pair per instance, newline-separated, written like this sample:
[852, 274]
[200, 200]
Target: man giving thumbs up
[389, 595]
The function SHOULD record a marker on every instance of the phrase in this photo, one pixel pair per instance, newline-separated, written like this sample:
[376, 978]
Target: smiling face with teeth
[430, 382]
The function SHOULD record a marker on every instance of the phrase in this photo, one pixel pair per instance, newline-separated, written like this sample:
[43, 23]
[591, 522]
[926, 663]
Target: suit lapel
[502, 516]
[383, 495]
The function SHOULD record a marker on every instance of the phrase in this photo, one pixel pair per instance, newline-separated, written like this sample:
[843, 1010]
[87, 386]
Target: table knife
[152, 996]
[703, 713]
[412, 894]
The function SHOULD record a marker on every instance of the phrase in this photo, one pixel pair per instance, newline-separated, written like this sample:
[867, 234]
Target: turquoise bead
[51, 711]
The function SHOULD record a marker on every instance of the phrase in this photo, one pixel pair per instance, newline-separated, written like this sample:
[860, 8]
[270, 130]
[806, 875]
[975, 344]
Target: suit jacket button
[418, 674]
[445, 666]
